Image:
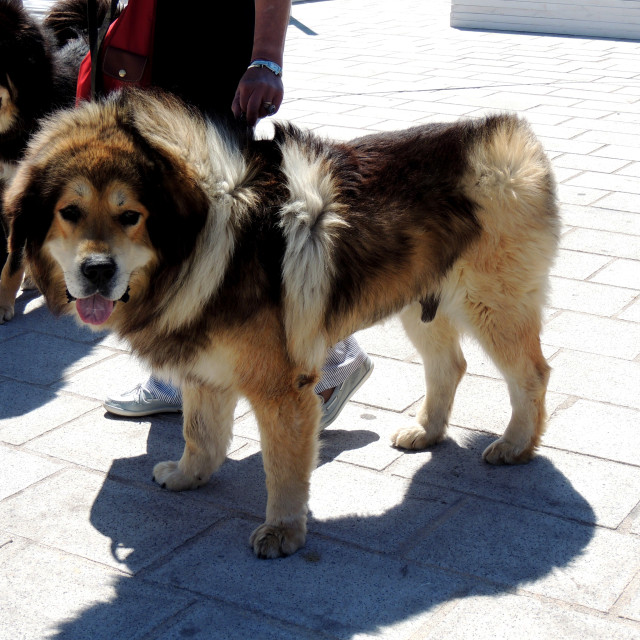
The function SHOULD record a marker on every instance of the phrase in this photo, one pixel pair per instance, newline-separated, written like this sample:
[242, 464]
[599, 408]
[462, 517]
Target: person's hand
[259, 94]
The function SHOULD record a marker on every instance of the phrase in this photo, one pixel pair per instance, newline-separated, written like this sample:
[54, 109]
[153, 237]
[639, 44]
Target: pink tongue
[94, 310]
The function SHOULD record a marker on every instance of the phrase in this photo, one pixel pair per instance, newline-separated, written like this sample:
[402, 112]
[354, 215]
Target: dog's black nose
[99, 270]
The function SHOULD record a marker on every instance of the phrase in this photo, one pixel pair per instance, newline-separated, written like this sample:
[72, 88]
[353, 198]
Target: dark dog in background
[38, 73]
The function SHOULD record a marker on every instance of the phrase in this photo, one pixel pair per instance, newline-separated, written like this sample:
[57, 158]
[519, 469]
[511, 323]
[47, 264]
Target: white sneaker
[341, 395]
[144, 400]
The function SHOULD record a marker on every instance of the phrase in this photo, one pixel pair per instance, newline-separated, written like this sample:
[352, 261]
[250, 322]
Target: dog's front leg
[288, 430]
[10, 282]
[208, 424]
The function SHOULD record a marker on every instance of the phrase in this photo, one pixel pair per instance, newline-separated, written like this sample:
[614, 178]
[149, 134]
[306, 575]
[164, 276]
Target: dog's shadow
[441, 524]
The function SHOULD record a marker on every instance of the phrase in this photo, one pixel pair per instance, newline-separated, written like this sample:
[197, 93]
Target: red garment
[126, 52]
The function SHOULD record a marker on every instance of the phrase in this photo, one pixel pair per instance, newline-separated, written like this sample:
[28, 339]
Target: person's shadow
[458, 527]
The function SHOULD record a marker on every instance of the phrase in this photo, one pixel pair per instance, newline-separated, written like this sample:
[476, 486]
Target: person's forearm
[272, 18]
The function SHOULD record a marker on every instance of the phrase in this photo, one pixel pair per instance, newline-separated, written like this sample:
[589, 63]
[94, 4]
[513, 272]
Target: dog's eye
[71, 213]
[129, 218]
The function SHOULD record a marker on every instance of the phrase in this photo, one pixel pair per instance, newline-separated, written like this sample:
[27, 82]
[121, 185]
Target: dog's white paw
[270, 541]
[415, 438]
[504, 452]
[169, 476]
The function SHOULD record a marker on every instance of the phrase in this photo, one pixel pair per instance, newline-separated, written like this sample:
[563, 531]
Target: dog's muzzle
[97, 306]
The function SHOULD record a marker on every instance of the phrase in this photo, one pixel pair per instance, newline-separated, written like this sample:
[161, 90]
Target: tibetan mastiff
[231, 264]
[38, 73]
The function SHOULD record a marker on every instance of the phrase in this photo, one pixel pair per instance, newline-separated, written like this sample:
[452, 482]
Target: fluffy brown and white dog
[231, 265]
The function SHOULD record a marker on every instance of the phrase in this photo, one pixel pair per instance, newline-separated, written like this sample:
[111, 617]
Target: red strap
[131, 32]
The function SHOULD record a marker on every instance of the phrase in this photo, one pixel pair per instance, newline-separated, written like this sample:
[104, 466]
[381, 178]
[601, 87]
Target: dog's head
[103, 200]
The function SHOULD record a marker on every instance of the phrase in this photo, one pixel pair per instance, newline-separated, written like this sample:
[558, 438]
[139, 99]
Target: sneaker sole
[126, 413]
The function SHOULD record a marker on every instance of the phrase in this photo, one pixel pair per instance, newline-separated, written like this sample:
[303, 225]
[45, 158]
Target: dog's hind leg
[510, 334]
[208, 424]
[288, 432]
[438, 344]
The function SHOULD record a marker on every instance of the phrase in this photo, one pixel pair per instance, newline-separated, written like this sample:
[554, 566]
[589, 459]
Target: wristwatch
[267, 64]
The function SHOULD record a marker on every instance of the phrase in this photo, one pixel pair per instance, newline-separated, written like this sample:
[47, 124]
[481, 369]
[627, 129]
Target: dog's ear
[178, 208]
[28, 208]
[171, 189]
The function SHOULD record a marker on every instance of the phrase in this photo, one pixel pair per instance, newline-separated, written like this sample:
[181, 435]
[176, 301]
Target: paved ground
[401, 546]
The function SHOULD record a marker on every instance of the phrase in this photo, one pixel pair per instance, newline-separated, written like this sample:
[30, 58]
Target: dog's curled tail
[510, 169]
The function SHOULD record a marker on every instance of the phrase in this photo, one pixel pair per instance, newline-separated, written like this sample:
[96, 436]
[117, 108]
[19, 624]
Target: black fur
[39, 68]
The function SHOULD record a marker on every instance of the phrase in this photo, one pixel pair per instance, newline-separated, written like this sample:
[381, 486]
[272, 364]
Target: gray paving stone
[115, 524]
[214, 620]
[625, 273]
[362, 436]
[621, 201]
[483, 403]
[392, 385]
[596, 429]
[577, 265]
[555, 482]
[371, 510]
[44, 359]
[32, 314]
[596, 377]
[19, 470]
[629, 604]
[506, 616]
[597, 217]
[632, 312]
[123, 447]
[27, 411]
[45, 593]
[619, 245]
[326, 587]
[111, 376]
[386, 339]
[548, 556]
[570, 146]
[606, 182]
[589, 297]
[631, 169]
[623, 152]
[609, 137]
[583, 332]
[591, 162]
[579, 195]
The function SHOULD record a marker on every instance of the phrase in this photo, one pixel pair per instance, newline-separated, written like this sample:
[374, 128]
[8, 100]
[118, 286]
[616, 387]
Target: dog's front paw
[271, 541]
[6, 312]
[414, 438]
[169, 476]
[504, 452]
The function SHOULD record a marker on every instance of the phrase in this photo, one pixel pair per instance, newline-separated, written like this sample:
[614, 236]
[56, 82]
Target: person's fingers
[259, 95]
[235, 106]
